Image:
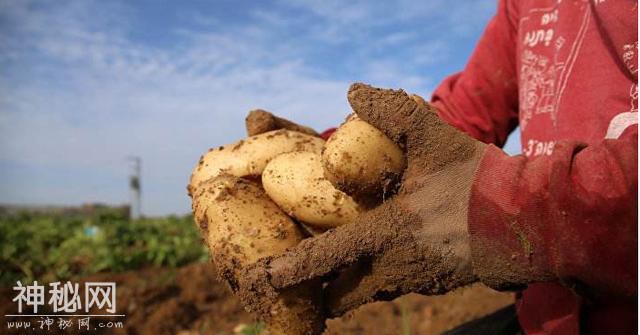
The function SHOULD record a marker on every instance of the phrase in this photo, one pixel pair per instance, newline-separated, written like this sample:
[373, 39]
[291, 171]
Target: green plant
[49, 247]
[253, 329]
[405, 316]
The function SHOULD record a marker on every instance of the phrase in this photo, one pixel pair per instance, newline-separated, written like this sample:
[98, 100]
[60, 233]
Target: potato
[362, 161]
[295, 182]
[240, 224]
[260, 121]
[249, 157]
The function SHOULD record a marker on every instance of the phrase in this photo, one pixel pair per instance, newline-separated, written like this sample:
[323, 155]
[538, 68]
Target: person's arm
[570, 217]
[482, 100]
[467, 211]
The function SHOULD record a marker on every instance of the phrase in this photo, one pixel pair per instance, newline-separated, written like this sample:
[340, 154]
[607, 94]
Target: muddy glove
[418, 240]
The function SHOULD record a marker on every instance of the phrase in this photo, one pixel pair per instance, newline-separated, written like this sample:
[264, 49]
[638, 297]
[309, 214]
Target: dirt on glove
[430, 143]
[391, 260]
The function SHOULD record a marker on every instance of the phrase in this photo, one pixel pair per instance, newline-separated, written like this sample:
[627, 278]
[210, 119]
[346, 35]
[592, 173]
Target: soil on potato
[190, 301]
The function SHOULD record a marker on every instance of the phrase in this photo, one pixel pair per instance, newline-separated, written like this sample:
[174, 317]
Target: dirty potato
[295, 181]
[240, 224]
[248, 157]
[361, 160]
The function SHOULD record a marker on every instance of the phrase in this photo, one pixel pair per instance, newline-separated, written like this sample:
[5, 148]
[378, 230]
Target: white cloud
[111, 98]
[82, 95]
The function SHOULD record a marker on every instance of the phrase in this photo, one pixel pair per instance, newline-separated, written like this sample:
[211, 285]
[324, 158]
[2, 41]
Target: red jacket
[565, 212]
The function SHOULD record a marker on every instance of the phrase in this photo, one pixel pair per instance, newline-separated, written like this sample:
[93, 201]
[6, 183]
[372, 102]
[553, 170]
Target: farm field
[166, 284]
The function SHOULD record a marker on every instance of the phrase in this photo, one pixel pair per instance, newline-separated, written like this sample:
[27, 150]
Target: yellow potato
[361, 160]
[248, 157]
[295, 182]
[240, 225]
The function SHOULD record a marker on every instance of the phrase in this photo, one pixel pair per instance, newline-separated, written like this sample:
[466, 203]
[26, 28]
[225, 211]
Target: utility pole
[135, 207]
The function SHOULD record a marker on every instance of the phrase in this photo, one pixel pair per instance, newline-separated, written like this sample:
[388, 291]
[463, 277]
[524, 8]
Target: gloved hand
[417, 241]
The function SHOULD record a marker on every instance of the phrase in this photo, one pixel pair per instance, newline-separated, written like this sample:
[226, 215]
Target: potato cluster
[264, 194]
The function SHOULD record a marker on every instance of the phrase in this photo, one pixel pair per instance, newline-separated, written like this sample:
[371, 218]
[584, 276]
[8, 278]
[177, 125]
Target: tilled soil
[190, 301]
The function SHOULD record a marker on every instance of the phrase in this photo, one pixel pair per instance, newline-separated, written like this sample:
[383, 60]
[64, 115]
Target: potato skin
[241, 222]
[240, 225]
[260, 121]
[295, 181]
[362, 161]
[248, 157]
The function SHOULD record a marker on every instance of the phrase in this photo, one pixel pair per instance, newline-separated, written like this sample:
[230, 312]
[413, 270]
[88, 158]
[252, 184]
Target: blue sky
[84, 84]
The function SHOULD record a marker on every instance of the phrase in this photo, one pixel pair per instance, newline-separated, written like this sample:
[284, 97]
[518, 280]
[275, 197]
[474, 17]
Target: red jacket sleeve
[570, 217]
[482, 100]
